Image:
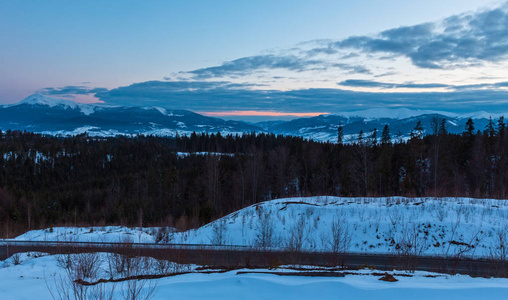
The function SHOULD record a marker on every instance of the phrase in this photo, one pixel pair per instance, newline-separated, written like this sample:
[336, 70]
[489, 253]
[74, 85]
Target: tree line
[187, 181]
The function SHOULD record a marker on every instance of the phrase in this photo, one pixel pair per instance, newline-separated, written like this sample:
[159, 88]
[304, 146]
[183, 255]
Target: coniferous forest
[188, 181]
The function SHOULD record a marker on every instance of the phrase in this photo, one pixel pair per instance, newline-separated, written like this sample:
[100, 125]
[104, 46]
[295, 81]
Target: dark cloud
[353, 69]
[464, 40]
[461, 40]
[217, 96]
[71, 90]
[245, 65]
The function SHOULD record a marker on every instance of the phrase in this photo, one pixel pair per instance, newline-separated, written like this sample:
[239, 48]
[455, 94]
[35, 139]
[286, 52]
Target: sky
[257, 60]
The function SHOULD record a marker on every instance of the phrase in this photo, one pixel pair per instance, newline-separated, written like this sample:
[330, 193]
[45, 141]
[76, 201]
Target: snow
[186, 154]
[79, 130]
[444, 226]
[163, 111]
[404, 113]
[392, 113]
[91, 234]
[376, 225]
[36, 275]
[39, 99]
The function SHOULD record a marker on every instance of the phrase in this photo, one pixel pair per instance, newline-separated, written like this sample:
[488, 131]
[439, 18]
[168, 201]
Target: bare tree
[410, 244]
[265, 234]
[297, 235]
[78, 267]
[140, 288]
[340, 239]
[219, 233]
[412, 241]
[499, 251]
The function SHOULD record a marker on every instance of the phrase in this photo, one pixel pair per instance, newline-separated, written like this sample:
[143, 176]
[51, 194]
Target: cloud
[410, 85]
[218, 96]
[245, 65]
[377, 84]
[458, 41]
[71, 90]
[461, 40]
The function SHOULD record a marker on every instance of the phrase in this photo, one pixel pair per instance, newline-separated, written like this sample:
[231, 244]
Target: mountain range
[53, 116]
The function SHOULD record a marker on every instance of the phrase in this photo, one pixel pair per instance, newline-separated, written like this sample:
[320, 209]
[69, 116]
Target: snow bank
[91, 234]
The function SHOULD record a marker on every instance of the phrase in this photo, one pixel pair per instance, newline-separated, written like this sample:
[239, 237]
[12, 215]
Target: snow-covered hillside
[112, 234]
[425, 226]
[443, 226]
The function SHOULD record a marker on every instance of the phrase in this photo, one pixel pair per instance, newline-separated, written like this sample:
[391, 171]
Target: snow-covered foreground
[31, 278]
[424, 226]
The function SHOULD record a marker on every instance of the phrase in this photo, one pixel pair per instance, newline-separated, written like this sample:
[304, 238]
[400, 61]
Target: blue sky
[259, 57]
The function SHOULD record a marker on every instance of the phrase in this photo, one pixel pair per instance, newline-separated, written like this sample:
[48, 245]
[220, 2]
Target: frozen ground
[30, 279]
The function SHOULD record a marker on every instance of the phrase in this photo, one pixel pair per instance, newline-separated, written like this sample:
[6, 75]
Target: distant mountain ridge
[401, 124]
[42, 114]
[53, 116]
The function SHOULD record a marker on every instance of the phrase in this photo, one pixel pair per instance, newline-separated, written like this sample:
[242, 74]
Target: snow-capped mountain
[42, 114]
[400, 123]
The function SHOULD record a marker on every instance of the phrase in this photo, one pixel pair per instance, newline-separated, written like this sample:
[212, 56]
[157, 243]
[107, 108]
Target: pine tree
[501, 128]
[489, 129]
[417, 132]
[442, 128]
[373, 137]
[340, 135]
[469, 128]
[385, 135]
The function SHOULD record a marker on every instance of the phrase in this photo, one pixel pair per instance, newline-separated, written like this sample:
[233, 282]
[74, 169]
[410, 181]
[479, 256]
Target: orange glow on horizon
[255, 113]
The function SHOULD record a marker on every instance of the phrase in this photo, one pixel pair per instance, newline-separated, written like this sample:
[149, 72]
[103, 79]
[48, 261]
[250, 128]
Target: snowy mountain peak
[39, 99]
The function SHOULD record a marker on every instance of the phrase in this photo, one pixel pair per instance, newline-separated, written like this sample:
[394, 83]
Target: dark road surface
[241, 257]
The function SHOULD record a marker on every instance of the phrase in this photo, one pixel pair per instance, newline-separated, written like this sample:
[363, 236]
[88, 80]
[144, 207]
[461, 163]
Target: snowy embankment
[107, 234]
[37, 276]
[425, 226]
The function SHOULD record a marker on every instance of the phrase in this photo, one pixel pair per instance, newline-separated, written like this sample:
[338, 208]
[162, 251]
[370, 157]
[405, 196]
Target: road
[240, 257]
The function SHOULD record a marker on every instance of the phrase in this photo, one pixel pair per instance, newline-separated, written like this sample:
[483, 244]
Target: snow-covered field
[426, 226]
[36, 275]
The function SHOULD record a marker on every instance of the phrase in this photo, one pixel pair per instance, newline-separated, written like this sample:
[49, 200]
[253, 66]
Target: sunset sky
[279, 59]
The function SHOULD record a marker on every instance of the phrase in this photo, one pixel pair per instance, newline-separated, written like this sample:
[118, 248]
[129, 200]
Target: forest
[187, 181]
